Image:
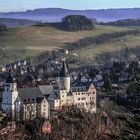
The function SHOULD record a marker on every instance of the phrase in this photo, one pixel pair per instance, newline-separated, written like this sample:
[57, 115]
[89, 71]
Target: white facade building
[23, 103]
[66, 95]
[29, 103]
[10, 94]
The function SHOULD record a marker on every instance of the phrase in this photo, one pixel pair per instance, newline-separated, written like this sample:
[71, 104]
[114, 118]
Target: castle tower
[64, 77]
[9, 96]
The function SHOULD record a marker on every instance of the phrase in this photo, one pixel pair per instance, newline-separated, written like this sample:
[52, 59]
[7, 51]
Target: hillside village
[43, 90]
[50, 99]
[113, 79]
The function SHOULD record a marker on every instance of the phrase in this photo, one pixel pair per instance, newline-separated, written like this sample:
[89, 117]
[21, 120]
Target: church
[42, 101]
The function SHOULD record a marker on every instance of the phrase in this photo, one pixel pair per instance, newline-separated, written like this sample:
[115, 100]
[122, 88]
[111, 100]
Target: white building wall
[63, 97]
[86, 99]
[29, 111]
[9, 96]
[44, 108]
[67, 83]
[57, 104]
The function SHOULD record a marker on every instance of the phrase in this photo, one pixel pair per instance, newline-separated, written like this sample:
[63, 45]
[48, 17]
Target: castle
[42, 101]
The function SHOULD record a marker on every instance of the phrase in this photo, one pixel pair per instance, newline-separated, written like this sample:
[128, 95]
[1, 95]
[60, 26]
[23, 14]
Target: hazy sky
[21, 5]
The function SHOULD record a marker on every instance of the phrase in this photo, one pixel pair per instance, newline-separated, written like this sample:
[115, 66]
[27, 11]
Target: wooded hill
[125, 22]
[72, 23]
[77, 23]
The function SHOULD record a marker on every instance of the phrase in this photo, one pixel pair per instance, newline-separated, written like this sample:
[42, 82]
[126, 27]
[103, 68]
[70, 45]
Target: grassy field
[88, 55]
[30, 41]
[22, 42]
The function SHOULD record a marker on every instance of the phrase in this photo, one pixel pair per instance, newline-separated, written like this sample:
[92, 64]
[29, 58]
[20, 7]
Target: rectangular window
[78, 98]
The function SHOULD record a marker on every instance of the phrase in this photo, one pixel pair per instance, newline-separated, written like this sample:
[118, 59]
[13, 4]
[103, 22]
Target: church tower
[9, 96]
[64, 77]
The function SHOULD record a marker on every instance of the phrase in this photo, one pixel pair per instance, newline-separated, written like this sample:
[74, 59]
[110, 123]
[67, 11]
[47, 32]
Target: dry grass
[88, 55]
[30, 41]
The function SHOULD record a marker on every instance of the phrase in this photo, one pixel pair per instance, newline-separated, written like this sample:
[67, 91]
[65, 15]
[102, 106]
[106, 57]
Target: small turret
[64, 71]
[9, 78]
[9, 95]
[65, 77]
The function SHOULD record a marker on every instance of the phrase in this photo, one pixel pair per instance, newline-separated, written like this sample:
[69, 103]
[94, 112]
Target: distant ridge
[12, 22]
[56, 14]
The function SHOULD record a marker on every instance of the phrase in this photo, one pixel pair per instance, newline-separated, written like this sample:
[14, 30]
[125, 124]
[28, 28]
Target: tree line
[72, 23]
[106, 37]
[124, 22]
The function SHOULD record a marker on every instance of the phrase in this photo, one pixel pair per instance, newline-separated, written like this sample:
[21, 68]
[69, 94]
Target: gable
[91, 87]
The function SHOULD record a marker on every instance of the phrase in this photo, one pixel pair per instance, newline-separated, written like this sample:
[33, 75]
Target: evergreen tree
[107, 82]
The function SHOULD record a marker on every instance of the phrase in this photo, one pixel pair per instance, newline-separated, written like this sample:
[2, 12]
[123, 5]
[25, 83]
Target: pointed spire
[10, 78]
[64, 71]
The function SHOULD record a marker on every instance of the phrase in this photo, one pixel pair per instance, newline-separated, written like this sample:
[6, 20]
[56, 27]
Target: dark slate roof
[64, 71]
[69, 93]
[56, 96]
[9, 78]
[79, 88]
[18, 99]
[29, 95]
[1, 95]
[46, 89]
[39, 99]
[57, 87]
[47, 96]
